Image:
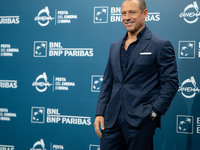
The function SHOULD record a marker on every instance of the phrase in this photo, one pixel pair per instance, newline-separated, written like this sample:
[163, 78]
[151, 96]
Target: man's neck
[133, 36]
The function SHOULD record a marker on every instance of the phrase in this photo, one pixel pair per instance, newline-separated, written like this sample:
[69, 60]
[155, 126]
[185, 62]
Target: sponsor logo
[9, 20]
[57, 50]
[102, 15]
[8, 84]
[7, 50]
[184, 124]
[40, 49]
[153, 16]
[191, 13]
[115, 14]
[37, 114]
[186, 50]
[59, 83]
[41, 84]
[188, 88]
[7, 147]
[96, 81]
[39, 145]
[61, 17]
[43, 18]
[94, 147]
[5, 115]
[53, 116]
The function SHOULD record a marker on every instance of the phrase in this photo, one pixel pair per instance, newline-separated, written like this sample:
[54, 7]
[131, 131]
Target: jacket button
[123, 83]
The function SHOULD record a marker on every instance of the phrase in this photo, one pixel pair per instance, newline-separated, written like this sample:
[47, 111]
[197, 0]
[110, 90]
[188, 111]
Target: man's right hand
[99, 120]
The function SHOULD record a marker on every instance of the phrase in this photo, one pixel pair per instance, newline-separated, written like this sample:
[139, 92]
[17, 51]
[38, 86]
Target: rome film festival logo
[41, 84]
[101, 14]
[186, 50]
[96, 82]
[39, 145]
[7, 51]
[6, 115]
[37, 114]
[184, 124]
[191, 13]
[40, 49]
[43, 18]
[188, 88]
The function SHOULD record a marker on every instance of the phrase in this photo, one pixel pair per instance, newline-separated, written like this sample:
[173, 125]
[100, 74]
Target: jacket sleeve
[168, 77]
[106, 89]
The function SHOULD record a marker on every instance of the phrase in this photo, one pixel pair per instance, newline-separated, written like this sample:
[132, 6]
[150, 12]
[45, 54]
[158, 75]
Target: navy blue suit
[150, 81]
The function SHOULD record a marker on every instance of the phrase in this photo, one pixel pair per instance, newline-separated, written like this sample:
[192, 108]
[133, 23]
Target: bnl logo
[37, 114]
[40, 49]
[101, 14]
[96, 82]
[186, 50]
[94, 147]
[184, 124]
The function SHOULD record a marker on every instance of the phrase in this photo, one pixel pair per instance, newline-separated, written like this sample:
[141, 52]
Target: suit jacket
[151, 81]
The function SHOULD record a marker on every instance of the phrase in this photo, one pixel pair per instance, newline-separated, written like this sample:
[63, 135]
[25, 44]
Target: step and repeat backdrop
[52, 59]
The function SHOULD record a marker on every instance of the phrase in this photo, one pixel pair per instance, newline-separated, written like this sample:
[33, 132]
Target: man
[140, 81]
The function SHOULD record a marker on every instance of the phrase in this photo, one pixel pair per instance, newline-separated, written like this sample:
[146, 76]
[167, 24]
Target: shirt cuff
[156, 111]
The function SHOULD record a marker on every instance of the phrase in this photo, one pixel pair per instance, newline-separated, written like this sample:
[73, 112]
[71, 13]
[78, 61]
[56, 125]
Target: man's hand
[99, 120]
[152, 118]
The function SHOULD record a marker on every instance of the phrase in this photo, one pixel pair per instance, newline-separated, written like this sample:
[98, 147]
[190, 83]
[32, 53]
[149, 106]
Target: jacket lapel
[141, 45]
[116, 58]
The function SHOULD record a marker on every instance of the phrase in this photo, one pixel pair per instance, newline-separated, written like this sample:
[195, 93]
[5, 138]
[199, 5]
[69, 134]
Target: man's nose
[127, 16]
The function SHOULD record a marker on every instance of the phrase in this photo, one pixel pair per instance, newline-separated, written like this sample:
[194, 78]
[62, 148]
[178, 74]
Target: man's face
[132, 17]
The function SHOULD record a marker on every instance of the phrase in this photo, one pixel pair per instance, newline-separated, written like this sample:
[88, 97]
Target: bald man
[140, 81]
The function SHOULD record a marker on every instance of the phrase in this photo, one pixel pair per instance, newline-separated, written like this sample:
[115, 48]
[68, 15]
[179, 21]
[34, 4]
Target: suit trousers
[123, 136]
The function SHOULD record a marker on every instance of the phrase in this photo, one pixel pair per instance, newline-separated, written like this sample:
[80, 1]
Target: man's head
[134, 13]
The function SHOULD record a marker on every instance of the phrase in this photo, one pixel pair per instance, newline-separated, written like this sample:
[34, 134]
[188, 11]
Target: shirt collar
[138, 36]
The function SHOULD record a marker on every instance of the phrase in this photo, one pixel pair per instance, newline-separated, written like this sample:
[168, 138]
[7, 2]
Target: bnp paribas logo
[184, 124]
[186, 50]
[37, 114]
[101, 14]
[96, 81]
[191, 13]
[7, 147]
